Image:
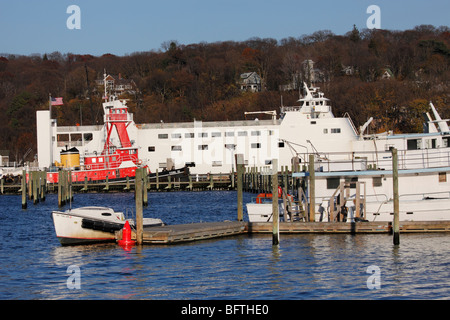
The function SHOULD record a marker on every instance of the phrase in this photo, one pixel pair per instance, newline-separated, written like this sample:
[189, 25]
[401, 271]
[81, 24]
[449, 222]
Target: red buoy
[126, 236]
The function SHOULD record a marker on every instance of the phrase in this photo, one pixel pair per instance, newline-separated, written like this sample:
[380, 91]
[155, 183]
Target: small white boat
[87, 225]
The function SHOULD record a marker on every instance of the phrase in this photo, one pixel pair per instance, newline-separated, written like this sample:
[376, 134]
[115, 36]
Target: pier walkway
[173, 234]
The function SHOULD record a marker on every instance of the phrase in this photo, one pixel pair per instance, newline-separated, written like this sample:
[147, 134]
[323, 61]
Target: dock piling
[396, 228]
[139, 206]
[312, 189]
[24, 189]
[240, 169]
[275, 213]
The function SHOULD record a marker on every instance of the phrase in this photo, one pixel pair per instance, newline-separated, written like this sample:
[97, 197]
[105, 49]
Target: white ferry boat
[342, 153]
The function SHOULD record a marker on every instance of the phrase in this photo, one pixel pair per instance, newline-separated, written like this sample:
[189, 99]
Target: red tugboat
[114, 162]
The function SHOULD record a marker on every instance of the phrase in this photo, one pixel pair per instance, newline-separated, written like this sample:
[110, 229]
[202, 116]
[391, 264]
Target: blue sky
[125, 26]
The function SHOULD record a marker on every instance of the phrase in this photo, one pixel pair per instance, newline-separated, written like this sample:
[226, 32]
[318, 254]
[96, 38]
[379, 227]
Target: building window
[176, 135]
[151, 149]
[229, 134]
[335, 130]
[203, 135]
[216, 134]
[325, 131]
[217, 163]
[189, 135]
[242, 133]
[256, 145]
[256, 133]
[176, 148]
[281, 144]
[442, 177]
[203, 147]
[163, 136]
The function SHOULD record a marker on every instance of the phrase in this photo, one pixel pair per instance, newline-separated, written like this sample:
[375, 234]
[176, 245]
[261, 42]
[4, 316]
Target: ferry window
[216, 134]
[87, 137]
[313, 122]
[377, 182]
[442, 177]
[242, 133]
[94, 160]
[176, 148]
[430, 143]
[163, 136]
[256, 145]
[413, 144]
[176, 135]
[190, 164]
[229, 134]
[325, 131]
[203, 147]
[446, 142]
[100, 159]
[335, 130]
[333, 183]
[280, 144]
[217, 163]
[151, 149]
[256, 133]
[189, 135]
[267, 162]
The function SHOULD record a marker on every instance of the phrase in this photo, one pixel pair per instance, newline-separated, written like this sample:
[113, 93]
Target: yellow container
[70, 158]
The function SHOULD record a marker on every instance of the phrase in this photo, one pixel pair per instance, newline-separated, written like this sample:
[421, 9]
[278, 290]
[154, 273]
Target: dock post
[144, 188]
[24, 189]
[43, 185]
[36, 181]
[312, 189]
[139, 209]
[396, 227]
[106, 188]
[275, 213]
[157, 179]
[59, 189]
[240, 172]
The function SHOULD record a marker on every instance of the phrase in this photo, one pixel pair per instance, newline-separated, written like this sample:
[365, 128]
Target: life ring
[139, 161]
[88, 167]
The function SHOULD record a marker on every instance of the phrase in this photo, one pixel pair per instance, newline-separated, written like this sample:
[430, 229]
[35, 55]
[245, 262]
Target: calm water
[33, 265]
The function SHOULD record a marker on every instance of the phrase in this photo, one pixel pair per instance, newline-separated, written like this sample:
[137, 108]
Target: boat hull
[69, 230]
[91, 225]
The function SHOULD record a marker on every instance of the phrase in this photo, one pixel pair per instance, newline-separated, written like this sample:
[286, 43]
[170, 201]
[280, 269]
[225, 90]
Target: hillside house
[250, 81]
[118, 85]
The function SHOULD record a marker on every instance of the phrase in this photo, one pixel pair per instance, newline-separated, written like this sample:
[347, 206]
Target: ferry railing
[382, 160]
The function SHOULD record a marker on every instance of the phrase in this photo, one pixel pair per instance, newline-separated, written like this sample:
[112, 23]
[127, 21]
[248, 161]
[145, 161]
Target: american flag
[57, 101]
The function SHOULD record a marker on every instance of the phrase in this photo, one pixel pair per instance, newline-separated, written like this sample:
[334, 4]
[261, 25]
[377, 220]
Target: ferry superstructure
[341, 150]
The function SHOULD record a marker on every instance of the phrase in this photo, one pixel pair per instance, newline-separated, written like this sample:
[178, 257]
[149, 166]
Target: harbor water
[33, 264]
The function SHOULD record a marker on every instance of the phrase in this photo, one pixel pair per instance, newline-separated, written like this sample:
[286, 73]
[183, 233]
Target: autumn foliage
[388, 75]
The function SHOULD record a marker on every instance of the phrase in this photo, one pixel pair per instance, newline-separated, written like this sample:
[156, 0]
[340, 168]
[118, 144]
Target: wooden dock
[173, 234]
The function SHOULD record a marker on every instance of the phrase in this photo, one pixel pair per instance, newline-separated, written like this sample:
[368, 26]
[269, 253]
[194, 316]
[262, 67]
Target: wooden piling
[139, 208]
[240, 169]
[24, 189]
[144, 188]
[312, 189]
[275, 213]
[396, 223]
